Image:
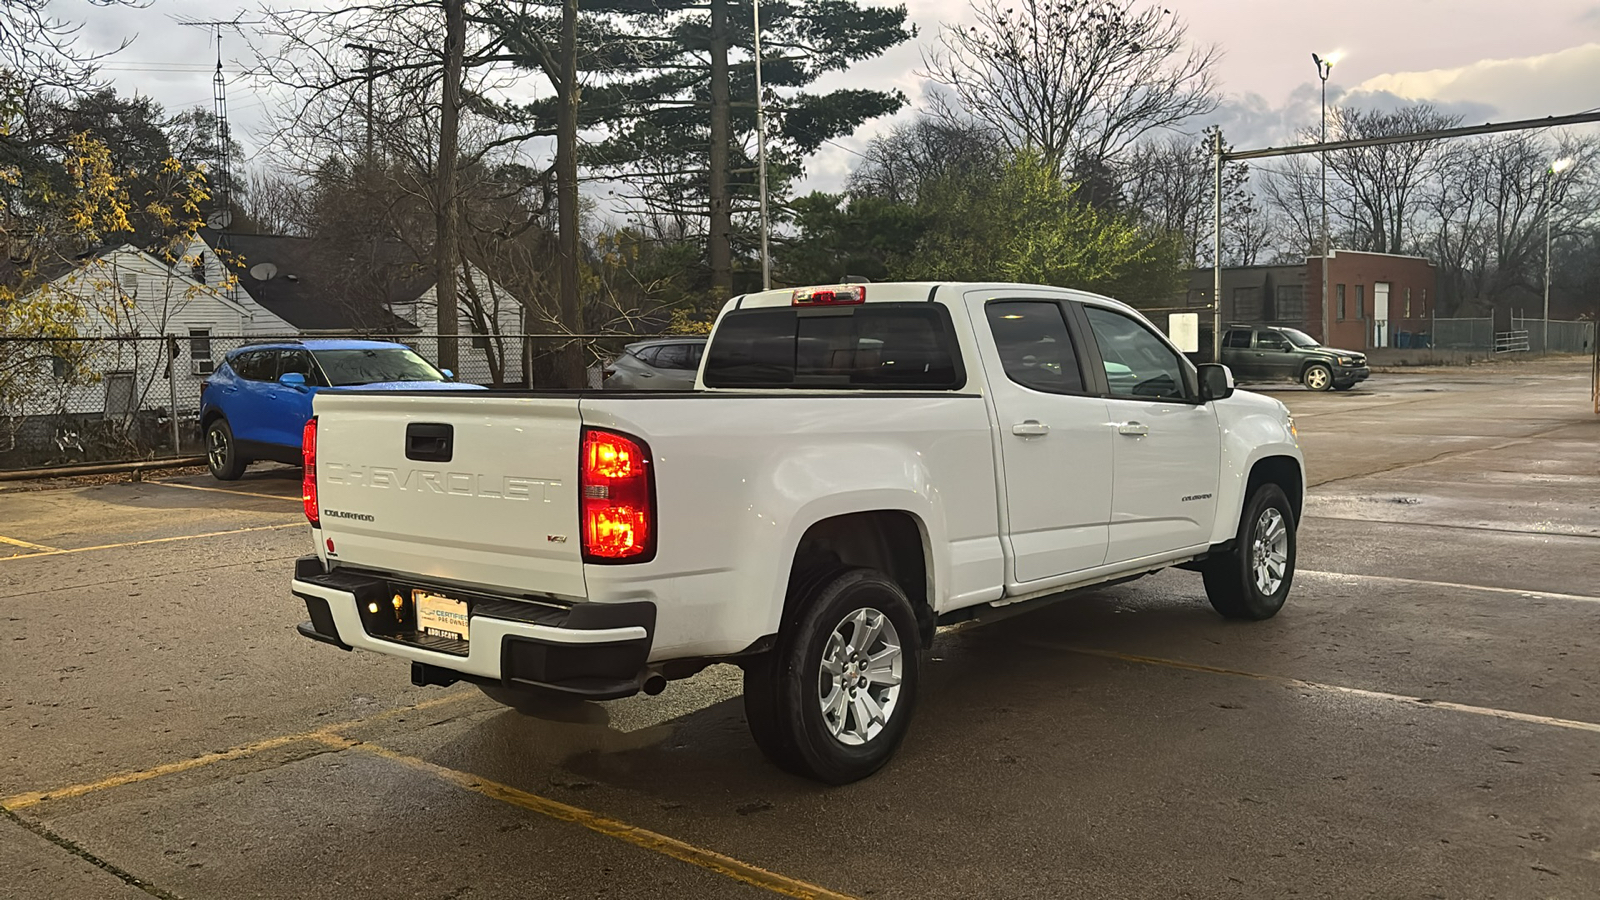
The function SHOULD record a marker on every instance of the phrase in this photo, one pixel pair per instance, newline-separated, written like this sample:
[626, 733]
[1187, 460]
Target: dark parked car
[256, 404]
[668, 364]
[1270, 352]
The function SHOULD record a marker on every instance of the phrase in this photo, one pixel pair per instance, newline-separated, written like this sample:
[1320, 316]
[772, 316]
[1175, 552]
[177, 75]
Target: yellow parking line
[165, 540]
[196, 487]
[321, 735]
[1426, 702]
[632, 834]
[25, 544]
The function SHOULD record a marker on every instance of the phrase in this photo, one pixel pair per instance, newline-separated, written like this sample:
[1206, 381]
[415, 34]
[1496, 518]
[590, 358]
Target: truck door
[1054, 437]
[1275, 356]
[1168, 446]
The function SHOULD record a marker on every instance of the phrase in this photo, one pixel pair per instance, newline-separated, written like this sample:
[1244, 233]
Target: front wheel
[1252, 581]
[1317, 377]
[833, 699]
[222, 452]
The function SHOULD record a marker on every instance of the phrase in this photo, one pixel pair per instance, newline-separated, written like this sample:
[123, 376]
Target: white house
[130, 302]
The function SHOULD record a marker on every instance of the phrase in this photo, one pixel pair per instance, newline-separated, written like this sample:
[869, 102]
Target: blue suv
[256, 404]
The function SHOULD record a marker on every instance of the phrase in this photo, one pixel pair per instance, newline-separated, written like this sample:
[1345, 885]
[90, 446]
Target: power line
[1435, 135]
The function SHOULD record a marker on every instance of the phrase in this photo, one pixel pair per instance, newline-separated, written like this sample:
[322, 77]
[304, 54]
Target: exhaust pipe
[654, 683]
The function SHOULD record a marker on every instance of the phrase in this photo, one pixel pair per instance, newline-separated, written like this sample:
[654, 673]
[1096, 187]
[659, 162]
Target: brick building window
[1361, 301]
[1291, 303]
[1408, 303]
[1340, 294]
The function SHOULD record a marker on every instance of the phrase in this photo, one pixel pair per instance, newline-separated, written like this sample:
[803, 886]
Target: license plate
[439, 616]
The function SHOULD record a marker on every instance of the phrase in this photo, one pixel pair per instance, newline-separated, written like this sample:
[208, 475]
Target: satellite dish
[219, 220]
[263, 271]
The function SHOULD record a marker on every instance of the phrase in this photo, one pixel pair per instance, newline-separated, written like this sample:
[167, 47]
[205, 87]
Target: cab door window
[1035, 349]
[1271, 340]
[1138, 365]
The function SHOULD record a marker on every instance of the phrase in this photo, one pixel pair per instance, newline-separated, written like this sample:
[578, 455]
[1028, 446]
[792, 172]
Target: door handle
[1133, 429]
[1030, 428]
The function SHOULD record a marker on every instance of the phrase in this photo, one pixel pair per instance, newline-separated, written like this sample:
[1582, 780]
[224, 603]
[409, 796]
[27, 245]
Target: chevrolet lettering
[461, 484]
[855, 465]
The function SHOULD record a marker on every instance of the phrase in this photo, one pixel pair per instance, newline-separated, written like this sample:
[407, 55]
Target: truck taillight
[839, 295]
[308, 482]
[618, 498]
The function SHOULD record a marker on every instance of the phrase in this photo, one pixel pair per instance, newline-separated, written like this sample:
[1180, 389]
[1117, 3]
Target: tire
[222, 452]
[1345, 387]
[1236, 589]
[1317, 377]
[786, 691]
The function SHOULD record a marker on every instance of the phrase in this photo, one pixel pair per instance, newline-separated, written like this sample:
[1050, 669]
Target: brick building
[1375, 299]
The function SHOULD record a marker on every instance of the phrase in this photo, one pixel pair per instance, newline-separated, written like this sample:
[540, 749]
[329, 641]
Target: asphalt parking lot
[1422, 720]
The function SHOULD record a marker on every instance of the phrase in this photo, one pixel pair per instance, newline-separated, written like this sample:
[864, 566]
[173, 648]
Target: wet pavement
[1422, 720]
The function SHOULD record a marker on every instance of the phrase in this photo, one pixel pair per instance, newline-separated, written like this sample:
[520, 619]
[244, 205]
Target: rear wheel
[1317, 377]
[222, 452]
[1253, 580]
[833, 699]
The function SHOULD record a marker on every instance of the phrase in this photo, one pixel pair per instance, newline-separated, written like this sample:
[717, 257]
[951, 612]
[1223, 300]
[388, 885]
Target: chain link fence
[116, 399]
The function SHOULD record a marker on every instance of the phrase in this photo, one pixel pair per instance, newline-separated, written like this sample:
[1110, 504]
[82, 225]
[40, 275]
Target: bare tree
[897, 163]
[1379, 184]
[1078, 81]
[1293, 194]
[1170, 183]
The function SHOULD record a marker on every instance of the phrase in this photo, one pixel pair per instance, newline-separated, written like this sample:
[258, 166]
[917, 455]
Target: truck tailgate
[476, 489]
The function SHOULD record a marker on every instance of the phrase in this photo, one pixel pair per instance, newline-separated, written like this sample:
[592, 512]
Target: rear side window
[1237, 338]
[888, 345]
[1031, 336]
[672, 356]
[256, 365]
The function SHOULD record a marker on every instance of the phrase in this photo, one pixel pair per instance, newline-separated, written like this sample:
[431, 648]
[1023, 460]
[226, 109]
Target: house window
[1361, 301]
[1291, 306]
[1340, 294]
[130, 283]
[60, 368]
[200, 351]
[200, 268]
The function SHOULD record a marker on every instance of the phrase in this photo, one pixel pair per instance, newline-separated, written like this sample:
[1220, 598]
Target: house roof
[314, 289]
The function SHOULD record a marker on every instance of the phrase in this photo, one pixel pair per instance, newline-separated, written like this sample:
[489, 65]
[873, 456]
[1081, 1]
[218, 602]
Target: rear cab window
[892, 346]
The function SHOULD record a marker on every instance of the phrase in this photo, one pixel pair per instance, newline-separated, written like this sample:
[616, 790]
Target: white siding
[503, 311]
[127, 293]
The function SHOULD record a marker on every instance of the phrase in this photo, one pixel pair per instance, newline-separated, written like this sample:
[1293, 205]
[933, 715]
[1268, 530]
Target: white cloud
[1546, 84]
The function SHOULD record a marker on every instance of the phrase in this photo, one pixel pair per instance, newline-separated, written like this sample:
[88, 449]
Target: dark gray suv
[1270, 352]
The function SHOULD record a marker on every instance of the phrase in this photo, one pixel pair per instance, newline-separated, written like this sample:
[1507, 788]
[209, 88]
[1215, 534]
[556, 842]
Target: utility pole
[761, 151]
[370, 71]
[445, 256]
[1216, 254]
[719, 252]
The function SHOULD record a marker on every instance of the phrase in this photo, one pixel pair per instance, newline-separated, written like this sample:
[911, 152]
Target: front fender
[1253, 430]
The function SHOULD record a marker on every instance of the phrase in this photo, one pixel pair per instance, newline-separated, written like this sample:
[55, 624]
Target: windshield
[374, 366]
[1299, 338]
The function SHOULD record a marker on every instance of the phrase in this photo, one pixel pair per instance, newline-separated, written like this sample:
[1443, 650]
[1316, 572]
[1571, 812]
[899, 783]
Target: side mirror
[293, 379]
[1216, 382]
[448, 375]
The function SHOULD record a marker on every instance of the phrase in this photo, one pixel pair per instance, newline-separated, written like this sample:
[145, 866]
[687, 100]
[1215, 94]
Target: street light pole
[761, 151]
[1324, 69]
[1556, 168]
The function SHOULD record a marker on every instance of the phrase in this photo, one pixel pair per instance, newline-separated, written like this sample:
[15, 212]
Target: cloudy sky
[1487, 59]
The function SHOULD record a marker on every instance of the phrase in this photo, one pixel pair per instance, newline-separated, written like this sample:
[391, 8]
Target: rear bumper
[591, 650]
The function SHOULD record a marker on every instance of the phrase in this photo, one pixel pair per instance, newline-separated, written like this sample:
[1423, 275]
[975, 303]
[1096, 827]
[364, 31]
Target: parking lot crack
[78, 850]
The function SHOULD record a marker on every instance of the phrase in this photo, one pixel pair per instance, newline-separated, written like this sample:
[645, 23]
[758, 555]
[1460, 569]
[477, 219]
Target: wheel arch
[1285, 472]
[892, 541]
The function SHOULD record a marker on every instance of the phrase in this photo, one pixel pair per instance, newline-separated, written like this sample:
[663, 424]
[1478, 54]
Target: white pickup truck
[857, 465]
